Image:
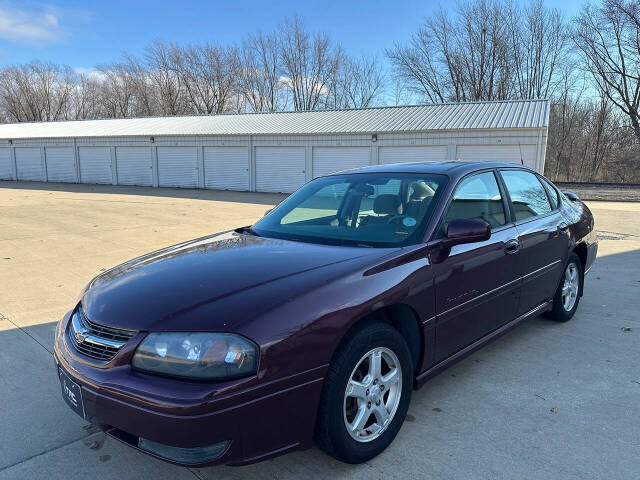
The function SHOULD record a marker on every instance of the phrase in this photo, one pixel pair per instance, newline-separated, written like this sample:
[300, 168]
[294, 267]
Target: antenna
[521, 159]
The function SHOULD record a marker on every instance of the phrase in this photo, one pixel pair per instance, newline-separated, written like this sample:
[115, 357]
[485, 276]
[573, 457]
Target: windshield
[360, 209]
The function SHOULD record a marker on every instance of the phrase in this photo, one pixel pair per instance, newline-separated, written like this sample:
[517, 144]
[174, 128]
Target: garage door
[328, 160]
[61, 166]
[498, 153]
[226, 168]
[134, 166]
[29, 164]
[178, 167]
[5, 165]
[423, 153]
[279, 169]
[95, 165]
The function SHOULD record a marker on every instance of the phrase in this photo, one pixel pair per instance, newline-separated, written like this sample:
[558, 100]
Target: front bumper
[253, 420]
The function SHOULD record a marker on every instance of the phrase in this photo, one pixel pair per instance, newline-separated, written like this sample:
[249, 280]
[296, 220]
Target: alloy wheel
[372, 394]
[570, 287]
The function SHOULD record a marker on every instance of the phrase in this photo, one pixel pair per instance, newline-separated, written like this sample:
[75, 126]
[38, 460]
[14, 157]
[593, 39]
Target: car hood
[172, 289]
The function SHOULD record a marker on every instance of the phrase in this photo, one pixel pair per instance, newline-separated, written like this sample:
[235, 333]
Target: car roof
[453, 168]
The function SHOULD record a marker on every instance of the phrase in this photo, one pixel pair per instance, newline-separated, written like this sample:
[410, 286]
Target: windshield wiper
[248, 230]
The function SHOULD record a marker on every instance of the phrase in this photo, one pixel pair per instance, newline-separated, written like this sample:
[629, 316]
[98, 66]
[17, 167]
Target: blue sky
[83, 34]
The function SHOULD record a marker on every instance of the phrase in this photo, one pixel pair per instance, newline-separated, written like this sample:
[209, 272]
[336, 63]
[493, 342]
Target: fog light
[189, 456]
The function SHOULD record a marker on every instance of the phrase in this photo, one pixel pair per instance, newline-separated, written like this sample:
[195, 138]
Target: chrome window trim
[544, 181]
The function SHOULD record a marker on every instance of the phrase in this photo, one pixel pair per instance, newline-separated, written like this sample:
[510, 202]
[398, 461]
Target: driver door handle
[511, 247]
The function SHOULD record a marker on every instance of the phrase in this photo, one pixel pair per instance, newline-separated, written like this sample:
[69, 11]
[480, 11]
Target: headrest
[421, 191]
[387, 204]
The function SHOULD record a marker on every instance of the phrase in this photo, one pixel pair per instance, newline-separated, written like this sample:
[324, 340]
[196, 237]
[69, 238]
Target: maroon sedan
[318, 321]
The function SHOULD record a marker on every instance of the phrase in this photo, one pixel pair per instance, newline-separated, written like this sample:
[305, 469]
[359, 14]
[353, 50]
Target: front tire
[366, 394]
[567, 296]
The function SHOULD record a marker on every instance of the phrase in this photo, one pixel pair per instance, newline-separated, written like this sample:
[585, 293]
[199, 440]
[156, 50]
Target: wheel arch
[404, 319]
[582, 252]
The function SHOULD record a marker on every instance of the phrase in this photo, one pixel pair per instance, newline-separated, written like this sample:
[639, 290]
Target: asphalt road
[547, 400]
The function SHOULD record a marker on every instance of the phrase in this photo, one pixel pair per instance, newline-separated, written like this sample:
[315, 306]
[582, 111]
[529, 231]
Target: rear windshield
[368, 210]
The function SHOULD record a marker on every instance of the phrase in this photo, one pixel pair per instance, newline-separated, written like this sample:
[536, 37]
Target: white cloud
[38, 25]
[51, 20]
[287, 82]
[90, 73]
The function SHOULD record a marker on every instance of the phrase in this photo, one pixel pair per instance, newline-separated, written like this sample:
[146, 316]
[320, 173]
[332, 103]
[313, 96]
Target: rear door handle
[511, 247]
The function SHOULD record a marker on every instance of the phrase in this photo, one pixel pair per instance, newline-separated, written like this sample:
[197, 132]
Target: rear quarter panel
[581, 228]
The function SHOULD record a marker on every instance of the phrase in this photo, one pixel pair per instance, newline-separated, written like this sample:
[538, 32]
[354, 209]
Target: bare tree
[427, 65]
[310, 64]
[538, 45]
[36, 91]
[598, 144]
[608, 36]
[146, 99]
[586, 141]
[164, 79]
[117, 93]
[14, 108]
[209, 75]
[359, 83]
[85, 101]
[261, 74]
[461, 57]
[487, 65]
[399, 94]
[565, 120]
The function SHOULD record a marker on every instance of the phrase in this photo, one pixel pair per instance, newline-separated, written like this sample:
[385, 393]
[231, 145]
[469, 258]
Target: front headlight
[200, 356]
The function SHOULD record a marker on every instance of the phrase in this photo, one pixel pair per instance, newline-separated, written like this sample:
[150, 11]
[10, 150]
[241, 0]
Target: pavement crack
[195, 474]
[4, 317]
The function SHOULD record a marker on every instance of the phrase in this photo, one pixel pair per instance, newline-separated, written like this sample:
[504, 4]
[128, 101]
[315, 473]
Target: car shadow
[190, 193]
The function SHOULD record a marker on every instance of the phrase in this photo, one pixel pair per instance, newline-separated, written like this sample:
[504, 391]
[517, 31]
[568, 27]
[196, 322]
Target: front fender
[304, 332]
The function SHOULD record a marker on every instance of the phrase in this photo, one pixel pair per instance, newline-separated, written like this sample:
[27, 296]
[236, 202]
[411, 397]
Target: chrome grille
[94, 340]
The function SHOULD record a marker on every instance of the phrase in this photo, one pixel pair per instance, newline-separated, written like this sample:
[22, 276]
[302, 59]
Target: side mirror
[571, 196]
[462, 231]
[267, 212]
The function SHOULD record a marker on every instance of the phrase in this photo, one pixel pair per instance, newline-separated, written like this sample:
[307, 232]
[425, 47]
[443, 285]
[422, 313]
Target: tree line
[289, 68]
[588, 66]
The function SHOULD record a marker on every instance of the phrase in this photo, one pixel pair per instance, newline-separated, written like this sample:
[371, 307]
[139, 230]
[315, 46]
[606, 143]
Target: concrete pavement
[547, 400]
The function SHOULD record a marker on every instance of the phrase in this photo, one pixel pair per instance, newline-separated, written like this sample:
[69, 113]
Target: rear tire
[352, 425]
[567, 296]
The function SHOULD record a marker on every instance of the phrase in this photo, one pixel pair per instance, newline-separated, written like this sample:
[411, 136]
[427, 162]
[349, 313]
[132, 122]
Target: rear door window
[553, 193]
[528, 196]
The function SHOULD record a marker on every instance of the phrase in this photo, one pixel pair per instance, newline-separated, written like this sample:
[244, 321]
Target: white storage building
[270, 152]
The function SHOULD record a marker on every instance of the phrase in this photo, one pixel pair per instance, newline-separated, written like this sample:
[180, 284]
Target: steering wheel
[394, 218]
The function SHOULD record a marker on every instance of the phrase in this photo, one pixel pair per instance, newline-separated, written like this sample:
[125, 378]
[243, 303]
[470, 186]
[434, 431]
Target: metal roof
[460, 167]
[419, 118]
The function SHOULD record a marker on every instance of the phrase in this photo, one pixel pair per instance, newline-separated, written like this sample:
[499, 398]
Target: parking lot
[547, 400]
